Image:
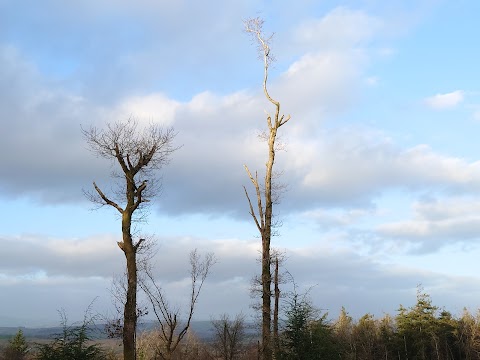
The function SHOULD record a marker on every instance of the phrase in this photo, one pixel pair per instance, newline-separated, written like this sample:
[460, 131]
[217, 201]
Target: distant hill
[203, 329]
[30, 333]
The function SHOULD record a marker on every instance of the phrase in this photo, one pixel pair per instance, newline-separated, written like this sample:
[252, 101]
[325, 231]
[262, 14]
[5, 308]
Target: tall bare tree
[264, 192]
[171, 328]
[138, 152]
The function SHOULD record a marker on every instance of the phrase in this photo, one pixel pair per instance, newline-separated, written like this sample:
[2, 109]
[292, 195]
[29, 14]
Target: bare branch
[255, 28]
[229, 335]
[138, 195]
[261, 215]
[107, 200]
[283, 121]
[198, 273]
[168, 317]
[252, 212]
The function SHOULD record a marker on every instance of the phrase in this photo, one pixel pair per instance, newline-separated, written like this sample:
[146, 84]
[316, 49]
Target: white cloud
[437, 223]
[332, 219]
[352, 166]
[28, 255]
[372, 80]
[324, 82]
[149, 108]
[340, 28]
[445, 101]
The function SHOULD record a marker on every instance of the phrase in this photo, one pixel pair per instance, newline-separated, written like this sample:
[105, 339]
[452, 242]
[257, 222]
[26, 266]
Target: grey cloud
[347, 167]
[344, 167]
[28, 255]
[35, 303]
[51, 164]
[363, 285]
[339, 278]
[43, 154]
[112, 49]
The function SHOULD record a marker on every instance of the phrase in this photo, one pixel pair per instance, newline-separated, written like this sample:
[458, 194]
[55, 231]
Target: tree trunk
[130, 314]
[130, 310]
[266, 301]
[275, 307]
[168, 355]
[266, 258]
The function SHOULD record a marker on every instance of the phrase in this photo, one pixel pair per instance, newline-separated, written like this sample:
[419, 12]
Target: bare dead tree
[138, 152]
[229, 336]
[172, 328]
[265, 200]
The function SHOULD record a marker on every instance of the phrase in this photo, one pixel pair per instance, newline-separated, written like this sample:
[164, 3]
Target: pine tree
[306, 335]
[417, 328]
[17, 347]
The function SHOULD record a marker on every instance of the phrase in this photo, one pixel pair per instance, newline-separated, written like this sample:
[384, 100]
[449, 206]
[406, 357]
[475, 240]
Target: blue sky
[381, 159]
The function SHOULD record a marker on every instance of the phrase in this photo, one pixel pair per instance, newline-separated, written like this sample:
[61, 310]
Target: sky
[380, 160]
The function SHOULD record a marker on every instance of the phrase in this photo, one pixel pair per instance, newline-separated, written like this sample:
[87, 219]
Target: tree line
[420, 332]
[423, 331]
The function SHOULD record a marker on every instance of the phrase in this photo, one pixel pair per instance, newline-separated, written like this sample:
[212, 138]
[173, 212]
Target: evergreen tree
[417, 328]
[387, 338]
[344, 334]
[17, 347]
[305, 335]
[74, 343]
[366, 338]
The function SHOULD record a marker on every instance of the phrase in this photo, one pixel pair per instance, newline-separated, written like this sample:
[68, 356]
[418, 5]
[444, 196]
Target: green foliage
[420, 332]
[426, 332]
[366, 338]
[306, 335]
[417, 326]
[344, 333]
[17, 347]
[73, 343]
